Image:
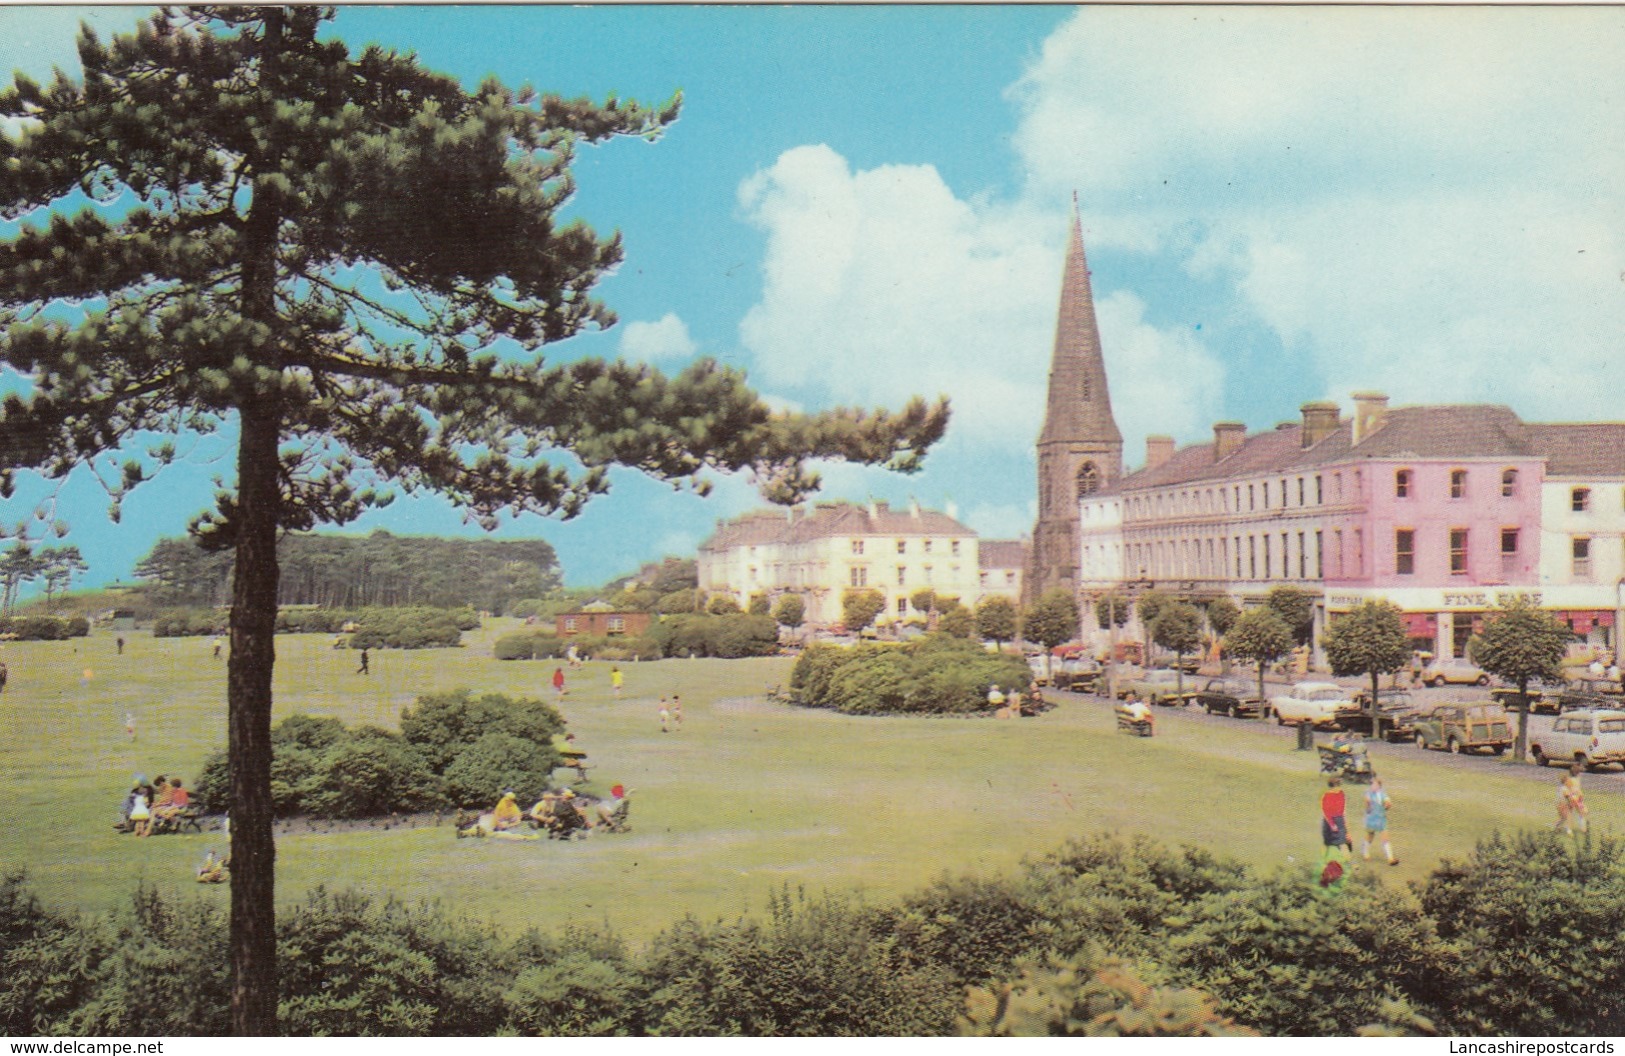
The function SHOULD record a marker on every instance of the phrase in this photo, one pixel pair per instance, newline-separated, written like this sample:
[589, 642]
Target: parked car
[1457, 672]
[1600, 687]
[1160, 687]
[1541, 701]
[1317, 703]
[1236, 697]
[1458, 728]
[1399, 712]
[1590, 738]
[1078, 674]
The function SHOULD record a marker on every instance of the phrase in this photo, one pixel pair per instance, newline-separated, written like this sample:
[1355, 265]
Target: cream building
[835, 547]
[1582, 527]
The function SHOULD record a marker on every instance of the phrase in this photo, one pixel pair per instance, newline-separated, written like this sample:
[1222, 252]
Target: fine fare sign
[1443, 601]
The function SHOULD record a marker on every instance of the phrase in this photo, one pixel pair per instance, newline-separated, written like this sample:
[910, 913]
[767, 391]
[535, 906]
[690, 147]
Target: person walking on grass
[615, 680]
[665, 716]
[677, 713]
[558, 681]
[1571, 802]
[1376, 821]
[1334, 827]
[365, 668]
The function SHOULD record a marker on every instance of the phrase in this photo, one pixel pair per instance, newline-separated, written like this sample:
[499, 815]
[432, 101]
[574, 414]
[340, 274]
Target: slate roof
[830, 519]
[1581, 449]
[1001, 553]
[1442, 431]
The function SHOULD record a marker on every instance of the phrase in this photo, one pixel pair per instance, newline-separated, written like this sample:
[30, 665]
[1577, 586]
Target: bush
[441, 725]
[45, 960]
[1068, 999]
[498, 761]
[43, 628]
[383, 627]
[525, 645]
[370, 773]
[729, 636]
[933, 674]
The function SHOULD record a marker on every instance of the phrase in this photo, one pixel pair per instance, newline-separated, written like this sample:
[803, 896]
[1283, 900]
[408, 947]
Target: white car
[1317, 703]
[1590, 738]
[1459, 672]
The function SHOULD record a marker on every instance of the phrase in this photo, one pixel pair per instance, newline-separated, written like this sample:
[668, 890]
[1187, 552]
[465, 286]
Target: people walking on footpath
[1376, 821]
[1571, 803]
[677, 712]
[366, 665]
[615, 680]
[1334, 828]
[665, 716]
[558, 681]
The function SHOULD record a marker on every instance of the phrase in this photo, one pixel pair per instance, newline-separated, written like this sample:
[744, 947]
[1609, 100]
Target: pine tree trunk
[253, 654]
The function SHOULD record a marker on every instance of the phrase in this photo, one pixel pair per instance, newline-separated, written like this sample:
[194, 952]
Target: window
[1300, 491]
[1405, 552]
[926, 546]
[569, 625]
[1266, 487]
[857, 546]
[1458, 483]
[1266, 556]
[1337, 549]
[1009, 579]
[902, 606]
[1402, 484]
[1320, 555]
[860, 577]
[1458, 551]
[1252, 498]
[902, 576]
[1509, 551]
[617, 624]
[1088, 480]
[902, 546]
[1509, 483]
[1580, 500]
[1252, 557]
[953, 548]
[1303, 559]
[1582, 556]
[928, 573]
[1359, 552]
[1320, 497]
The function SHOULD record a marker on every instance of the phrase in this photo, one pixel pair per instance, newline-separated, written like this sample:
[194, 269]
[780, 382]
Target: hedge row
[728, 636]
[542, 645]
[936, 673]
[43, 628]
[377, 627]
[1104, 936]
[454, 749]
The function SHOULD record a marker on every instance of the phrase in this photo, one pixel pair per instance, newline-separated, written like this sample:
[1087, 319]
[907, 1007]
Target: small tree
[1178, 627]
[1520, 643]
[1261, 637]
[1053, 619]
[1370, 640]
[59, 564]
[860, 607]
[722, 605]
[1111, 610]
[923, 600]
[790, 610]
[996, 619]
[1296, 607]
[1221, 615]
[759, 605]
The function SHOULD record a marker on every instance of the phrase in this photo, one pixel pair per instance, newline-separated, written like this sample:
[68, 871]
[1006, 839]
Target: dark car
[1399, 712]
[1580, 695]
[1541, 701]
[1235, 697]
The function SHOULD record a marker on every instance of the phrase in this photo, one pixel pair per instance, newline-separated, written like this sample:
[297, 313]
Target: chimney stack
[1370, 408]
[1319, 422]
[1227, 437]
[1158, 449]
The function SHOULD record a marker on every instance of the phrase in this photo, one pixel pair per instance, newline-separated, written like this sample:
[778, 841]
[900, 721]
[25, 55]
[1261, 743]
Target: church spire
[1080, 407]
[1080, 449]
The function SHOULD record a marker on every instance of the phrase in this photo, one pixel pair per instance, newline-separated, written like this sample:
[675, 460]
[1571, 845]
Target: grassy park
[749, 796]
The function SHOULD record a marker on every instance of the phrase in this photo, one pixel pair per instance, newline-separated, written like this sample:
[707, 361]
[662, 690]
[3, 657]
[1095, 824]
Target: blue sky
[863, 203]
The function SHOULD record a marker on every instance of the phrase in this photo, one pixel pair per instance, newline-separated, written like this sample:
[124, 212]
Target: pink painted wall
[1377, 513]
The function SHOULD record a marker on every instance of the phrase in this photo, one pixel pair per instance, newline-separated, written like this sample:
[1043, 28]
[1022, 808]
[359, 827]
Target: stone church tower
[1080, 449]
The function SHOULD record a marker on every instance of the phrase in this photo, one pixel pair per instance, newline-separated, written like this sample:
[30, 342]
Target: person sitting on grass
[607, 808]
[567, 818]
[214, 870]
[178, 800]
[507, 814]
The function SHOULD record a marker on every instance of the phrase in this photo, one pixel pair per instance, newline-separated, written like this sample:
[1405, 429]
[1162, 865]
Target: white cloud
[881, 284]
[36, 37]
[667, 338]
[1422, 200]
[1162, 381]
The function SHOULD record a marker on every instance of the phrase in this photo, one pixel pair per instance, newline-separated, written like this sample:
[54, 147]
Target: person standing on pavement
[1376, 821]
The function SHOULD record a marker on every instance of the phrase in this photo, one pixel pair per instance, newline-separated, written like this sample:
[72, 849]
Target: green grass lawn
[749, 796]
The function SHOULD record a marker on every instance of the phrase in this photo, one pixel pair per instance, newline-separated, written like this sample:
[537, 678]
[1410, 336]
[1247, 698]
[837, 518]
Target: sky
[860, 204]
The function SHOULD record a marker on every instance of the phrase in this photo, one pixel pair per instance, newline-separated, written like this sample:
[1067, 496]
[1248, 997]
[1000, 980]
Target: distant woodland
[339, 571]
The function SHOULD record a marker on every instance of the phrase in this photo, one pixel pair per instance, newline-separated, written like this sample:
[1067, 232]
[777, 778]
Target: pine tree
[350, 262]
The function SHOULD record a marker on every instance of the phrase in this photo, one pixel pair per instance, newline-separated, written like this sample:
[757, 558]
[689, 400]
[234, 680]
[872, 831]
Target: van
[1590, 738]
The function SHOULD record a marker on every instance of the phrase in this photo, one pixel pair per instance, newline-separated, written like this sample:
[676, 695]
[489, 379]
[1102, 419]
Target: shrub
[521, 646]
[1067, 999]
[498, 761]
[43, 628]
[933, 674]
[45, 962]
[441, 725]
[370, 773]
[729, 636]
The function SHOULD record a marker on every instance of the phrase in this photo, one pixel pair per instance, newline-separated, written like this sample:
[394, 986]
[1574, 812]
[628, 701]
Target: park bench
[187, 819]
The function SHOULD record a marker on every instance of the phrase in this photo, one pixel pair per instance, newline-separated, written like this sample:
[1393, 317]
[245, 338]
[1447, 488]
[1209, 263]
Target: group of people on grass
[1018, 701]
[147, 803]
[562, 814]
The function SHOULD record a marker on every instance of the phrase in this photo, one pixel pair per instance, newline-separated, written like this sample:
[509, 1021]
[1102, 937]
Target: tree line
[22, 564]
[380, 569]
